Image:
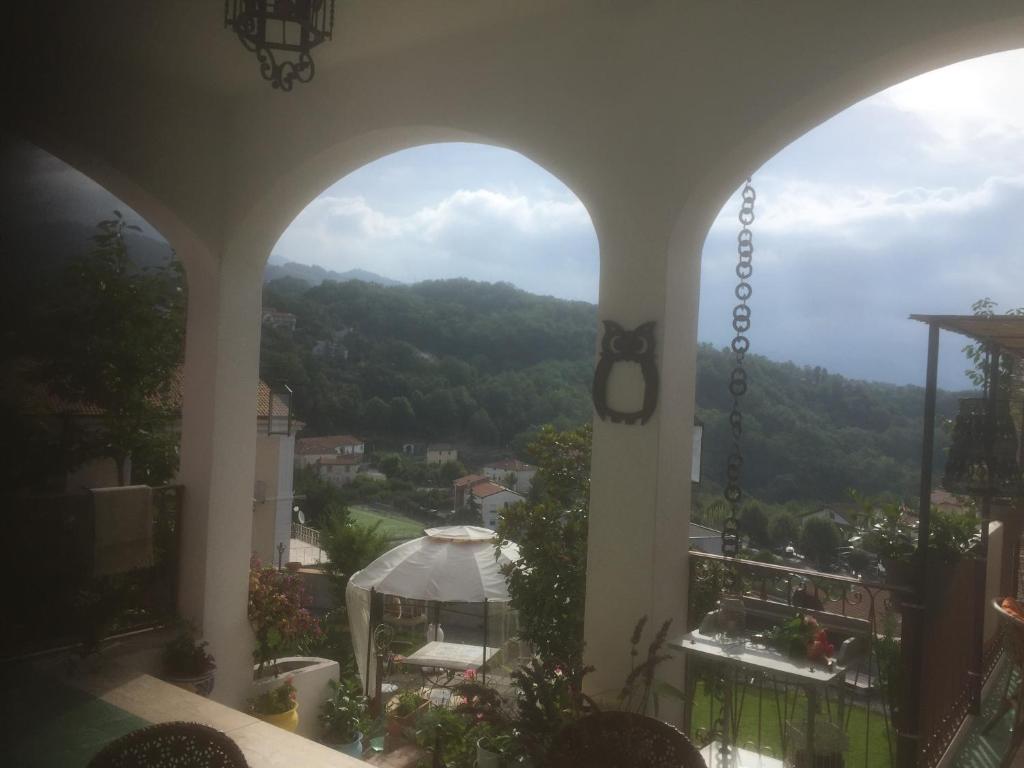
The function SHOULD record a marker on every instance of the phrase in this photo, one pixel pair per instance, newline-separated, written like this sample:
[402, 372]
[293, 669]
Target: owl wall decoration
[619, 346]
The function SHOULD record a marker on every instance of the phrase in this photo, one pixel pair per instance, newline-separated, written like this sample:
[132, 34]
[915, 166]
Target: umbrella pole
[484, 667]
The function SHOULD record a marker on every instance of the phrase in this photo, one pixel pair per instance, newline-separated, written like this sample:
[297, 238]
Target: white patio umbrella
[455, 564]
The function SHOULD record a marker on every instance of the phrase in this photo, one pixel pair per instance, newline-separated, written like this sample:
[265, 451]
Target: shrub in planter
[342, 717]
[402, 713]
[277, 706]
[278, 614]
[187, 664]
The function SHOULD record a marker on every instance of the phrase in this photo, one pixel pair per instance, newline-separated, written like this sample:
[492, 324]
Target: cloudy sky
[908, 202]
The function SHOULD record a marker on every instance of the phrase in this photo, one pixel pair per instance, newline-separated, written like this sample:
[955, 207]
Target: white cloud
[800, 205]
[543, 243]
[965, 105]
[351, 216]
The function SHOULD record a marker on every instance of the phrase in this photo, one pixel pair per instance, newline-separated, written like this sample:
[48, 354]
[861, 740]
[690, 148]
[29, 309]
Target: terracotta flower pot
[395, 724]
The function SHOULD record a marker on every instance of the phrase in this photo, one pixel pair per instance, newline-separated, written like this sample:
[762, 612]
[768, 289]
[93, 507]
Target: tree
[392, 465]
[754, 524]
[482, 429]
[349, 548]
[449, 472]
[403, 417]
[819, 540]
[377, 414]
[470, 514]
[321, 500]
[548, 583]
[116, 341]
[783, 530]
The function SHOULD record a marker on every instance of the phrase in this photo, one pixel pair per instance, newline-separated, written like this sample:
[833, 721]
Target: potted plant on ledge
[402, 713]
[342, 716]
[277, 706]
[188, 665]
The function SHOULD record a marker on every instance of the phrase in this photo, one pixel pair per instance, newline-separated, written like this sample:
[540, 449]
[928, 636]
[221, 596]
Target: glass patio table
[743, 654]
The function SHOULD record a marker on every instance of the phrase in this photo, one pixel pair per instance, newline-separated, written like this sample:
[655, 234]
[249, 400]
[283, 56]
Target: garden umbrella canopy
[456, 564]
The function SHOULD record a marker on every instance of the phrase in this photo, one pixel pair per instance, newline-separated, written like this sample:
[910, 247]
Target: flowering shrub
[278, 614]
[275, 701]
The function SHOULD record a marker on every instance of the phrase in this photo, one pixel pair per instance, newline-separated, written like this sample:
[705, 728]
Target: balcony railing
[857, 717]
[62, 593]
[306, 534]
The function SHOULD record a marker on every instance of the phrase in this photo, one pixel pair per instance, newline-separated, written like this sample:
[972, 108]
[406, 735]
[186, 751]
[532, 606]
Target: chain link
[738, 378]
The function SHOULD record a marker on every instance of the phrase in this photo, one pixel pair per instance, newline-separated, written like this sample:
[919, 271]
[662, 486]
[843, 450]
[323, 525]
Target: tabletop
[759, 657]
[450, 655]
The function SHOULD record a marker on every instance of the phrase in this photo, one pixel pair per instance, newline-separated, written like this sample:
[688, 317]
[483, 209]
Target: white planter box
[310, 675]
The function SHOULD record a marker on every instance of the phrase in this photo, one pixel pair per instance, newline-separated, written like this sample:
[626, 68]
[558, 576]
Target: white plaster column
[218, 453]
[640, 478]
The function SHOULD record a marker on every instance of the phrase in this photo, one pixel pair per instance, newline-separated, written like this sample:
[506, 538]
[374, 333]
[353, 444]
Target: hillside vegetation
[489, 364]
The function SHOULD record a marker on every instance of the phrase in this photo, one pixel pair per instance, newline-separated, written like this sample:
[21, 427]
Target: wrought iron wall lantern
[979, 463]
[281, 33]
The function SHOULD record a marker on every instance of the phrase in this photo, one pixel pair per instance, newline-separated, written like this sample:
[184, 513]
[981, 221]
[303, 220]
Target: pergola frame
[1001, 335]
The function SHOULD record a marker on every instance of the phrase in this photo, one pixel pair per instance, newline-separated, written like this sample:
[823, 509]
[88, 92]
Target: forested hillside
[456, 359]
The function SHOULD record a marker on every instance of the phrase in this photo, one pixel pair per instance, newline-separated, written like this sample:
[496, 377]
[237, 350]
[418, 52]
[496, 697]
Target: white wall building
[512, 473]
[339, 470]
[441, 453]
[310, 450]
[273, 495]
[493, 499]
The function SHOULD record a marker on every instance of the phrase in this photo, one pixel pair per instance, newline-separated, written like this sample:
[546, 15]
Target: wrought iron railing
[851, 717]
[306, 534]
[59, 597]
[858, 715]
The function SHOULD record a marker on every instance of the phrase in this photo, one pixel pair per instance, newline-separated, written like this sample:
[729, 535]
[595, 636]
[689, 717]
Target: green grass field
[393, 525]
[868, 741]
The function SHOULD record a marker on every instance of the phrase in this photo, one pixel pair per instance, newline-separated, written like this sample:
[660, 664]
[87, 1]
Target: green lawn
[393, 525]
[868, 742]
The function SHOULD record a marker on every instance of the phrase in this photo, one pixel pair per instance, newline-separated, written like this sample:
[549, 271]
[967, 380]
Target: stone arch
[281, 203]
[179, 235]
[846, 89]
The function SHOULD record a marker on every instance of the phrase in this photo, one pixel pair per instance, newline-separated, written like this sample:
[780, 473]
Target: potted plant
[498, 743]
[893, 541]
[187, 664]
[342, 716]
[403, 711]
[278, 615]
[278, 706]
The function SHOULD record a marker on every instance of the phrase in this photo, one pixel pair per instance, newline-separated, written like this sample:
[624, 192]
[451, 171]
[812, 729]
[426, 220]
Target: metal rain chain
[738, 378]
[281, 33]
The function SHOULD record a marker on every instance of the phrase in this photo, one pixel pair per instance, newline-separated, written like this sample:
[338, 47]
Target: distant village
[340, 459]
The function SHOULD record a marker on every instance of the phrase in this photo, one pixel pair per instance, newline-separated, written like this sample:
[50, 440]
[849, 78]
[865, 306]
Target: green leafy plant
[278, 614]
[406, 703]
[184, 657]
[342, 715]
[550, 697]
[953, 535]
[888, 535]
[453, 734]
[90, 358]
[276, 701]
[547, 584]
